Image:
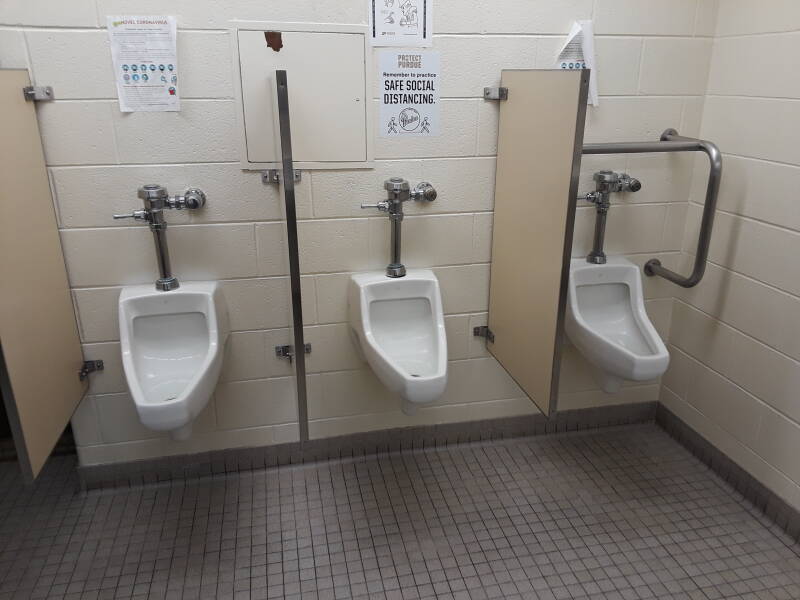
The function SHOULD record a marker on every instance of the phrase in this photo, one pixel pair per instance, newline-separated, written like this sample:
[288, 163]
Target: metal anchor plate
[287, 351]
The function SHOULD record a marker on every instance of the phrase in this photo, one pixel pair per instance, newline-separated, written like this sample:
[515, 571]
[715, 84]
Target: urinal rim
[433, 295]
[132, 374]
[636, 304]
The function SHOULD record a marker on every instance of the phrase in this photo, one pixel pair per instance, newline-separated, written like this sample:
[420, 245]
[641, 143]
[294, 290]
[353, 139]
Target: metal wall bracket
[495, 93]
[274, 176]
[38, 93]
[484, 332]
[90, 366]
[287, 351]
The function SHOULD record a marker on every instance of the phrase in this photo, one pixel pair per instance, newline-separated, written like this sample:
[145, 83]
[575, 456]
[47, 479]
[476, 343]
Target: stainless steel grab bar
[672, 142]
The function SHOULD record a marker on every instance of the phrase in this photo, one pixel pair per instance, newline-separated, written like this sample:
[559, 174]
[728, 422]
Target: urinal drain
[414, 375]
[170, 398]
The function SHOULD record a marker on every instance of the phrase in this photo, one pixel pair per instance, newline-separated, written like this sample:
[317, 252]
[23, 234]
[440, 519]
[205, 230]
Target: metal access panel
[540, 140]
[329, 72]
[40, 352]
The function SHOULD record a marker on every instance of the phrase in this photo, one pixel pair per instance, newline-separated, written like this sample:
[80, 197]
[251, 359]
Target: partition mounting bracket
[271, 176]
[287, 351]
[38, 93]
[90, 366]
[495, 93]
[484, 332]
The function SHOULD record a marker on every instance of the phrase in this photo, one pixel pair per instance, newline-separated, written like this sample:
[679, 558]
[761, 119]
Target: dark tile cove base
[782, 514]
[192, 466]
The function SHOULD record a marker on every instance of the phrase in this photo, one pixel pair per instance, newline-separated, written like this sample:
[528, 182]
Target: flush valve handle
[138, 215]
[382, 206]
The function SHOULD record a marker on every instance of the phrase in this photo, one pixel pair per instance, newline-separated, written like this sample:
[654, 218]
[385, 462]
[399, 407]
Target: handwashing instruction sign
[145, 58]
[410, 83]
[404, 23]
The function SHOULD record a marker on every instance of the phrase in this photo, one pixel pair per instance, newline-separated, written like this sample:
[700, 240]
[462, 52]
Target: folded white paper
[578, 53]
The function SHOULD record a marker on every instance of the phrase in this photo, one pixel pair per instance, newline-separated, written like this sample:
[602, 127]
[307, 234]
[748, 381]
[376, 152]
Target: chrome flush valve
[156, 198]
[606, 183]
[398, 190]
[396, 185]
[609, 182]
[153, 193]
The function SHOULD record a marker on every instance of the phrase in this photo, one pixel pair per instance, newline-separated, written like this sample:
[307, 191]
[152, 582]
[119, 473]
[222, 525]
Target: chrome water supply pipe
[606, 183]
[156, 199]
[399, 191]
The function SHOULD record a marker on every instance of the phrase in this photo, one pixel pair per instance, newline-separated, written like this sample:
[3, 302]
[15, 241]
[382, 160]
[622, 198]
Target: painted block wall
[653, 60]
[735, 339]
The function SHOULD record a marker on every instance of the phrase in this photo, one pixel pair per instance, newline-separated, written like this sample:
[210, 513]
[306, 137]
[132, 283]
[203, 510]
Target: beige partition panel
[38, 334]
[538, 160]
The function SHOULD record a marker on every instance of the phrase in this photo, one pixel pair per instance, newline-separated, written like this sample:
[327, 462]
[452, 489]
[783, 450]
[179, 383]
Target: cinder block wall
[735, 371]
[653, 60]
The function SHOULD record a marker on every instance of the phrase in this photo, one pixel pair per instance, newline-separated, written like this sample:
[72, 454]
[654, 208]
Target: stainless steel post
[294, 252]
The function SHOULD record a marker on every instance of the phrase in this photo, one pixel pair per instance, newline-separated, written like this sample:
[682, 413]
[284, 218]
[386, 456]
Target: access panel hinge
[38, 93]
[495, 93]
[90, 366]
[274, 176]
[484, 332]
[288, 351]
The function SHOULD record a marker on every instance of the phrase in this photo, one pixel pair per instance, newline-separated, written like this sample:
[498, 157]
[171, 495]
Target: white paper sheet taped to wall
[578, 53]
[143, 51]
[410, 92]
[404, 23]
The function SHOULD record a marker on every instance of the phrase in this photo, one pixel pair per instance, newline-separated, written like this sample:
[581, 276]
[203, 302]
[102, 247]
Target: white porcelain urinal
[172, 348]
[607, 322]
[398, 324]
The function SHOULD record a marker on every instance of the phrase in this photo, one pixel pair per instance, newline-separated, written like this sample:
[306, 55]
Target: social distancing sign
[410, 84]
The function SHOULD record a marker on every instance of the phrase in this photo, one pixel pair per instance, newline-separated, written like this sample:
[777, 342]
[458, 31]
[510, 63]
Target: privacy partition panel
[538, 161]
[40, 353]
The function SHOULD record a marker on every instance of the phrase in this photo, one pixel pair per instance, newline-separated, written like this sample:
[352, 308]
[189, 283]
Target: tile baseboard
[785, 516]
[235, 460]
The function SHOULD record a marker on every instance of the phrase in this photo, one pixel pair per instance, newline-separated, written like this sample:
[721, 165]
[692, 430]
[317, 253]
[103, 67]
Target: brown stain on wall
[274, 40]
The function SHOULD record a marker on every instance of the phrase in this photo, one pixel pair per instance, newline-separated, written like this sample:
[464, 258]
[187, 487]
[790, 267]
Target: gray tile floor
[615, 514]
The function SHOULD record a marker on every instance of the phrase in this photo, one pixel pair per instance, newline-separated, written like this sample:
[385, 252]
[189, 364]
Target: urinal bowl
[172, 350]
[398, 326]
[607, 321]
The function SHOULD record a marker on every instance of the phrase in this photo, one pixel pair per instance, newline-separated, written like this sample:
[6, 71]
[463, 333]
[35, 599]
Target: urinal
[607, 322]
[172, 348]
[398, 325]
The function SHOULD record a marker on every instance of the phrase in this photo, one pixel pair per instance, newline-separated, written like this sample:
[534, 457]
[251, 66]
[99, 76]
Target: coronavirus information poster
[145, 58]
[410, 83]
